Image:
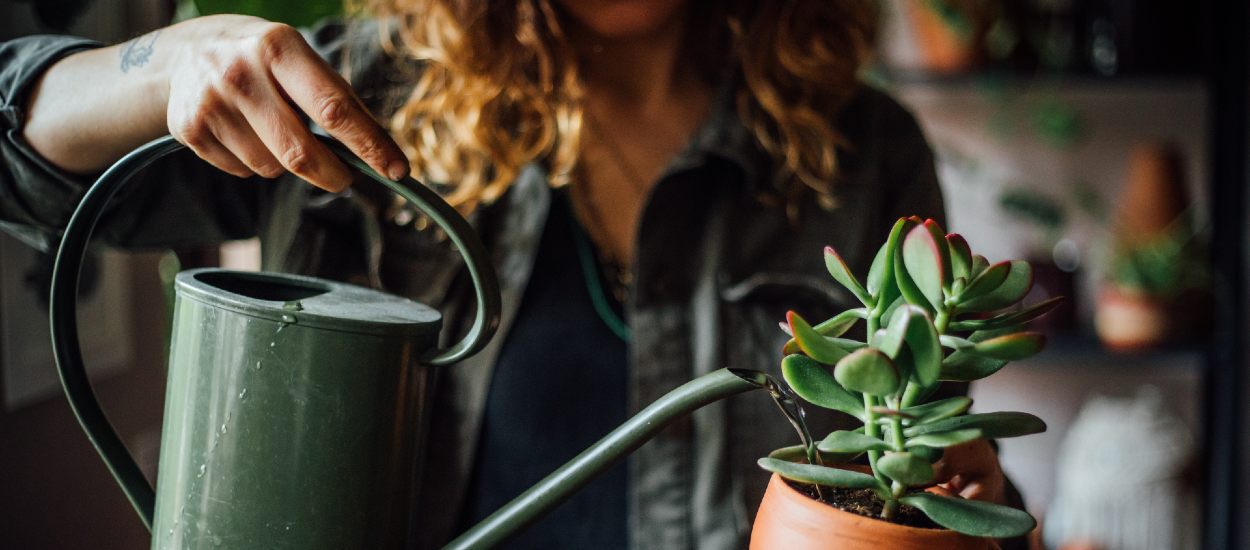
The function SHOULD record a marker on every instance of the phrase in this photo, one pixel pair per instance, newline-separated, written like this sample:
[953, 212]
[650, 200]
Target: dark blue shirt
[559, 385]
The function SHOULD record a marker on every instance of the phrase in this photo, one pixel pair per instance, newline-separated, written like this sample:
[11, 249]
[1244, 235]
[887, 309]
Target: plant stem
[873, 430]
[941, 321]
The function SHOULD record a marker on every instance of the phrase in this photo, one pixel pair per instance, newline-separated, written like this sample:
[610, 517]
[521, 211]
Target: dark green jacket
[718, 264]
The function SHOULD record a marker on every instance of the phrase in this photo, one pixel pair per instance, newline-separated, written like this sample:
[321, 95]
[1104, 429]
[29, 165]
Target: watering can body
[294, 413]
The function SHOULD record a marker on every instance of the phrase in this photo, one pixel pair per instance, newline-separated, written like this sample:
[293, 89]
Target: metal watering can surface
[296, 408]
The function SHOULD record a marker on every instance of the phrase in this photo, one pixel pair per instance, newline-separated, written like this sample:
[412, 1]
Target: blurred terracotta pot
[1127, 321]
[790, 520]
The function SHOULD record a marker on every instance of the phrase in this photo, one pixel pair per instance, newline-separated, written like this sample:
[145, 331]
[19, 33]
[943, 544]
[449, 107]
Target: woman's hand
[235, 89]
[972, 471]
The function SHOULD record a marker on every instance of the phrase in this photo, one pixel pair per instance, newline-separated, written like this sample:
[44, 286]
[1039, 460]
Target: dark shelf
[1011, 79]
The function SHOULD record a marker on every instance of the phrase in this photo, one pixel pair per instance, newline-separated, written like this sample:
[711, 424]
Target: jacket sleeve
[180, 199]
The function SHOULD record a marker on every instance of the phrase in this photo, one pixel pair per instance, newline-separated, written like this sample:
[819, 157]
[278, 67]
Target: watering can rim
[325, 304]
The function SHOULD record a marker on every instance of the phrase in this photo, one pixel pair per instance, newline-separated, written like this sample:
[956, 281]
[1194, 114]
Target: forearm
[90, 108]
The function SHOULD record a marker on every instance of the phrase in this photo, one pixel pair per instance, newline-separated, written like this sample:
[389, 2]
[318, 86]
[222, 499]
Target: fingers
[972, 471]
[282, 134]
[243, 142]
[328, 100]
[198, 135]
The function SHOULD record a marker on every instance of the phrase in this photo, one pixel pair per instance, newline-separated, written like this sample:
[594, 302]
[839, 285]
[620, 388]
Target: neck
[636, 72]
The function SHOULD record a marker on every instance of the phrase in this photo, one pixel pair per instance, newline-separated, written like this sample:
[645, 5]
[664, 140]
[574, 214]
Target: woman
[655, 179]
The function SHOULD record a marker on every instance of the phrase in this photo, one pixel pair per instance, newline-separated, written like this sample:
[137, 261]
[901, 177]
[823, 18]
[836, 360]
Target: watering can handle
[63, 299]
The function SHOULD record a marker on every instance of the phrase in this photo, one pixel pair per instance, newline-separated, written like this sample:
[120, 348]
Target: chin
[622, 18]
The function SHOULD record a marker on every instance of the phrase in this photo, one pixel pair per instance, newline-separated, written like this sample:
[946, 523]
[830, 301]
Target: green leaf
[979, 265]
[958, 285]
[1011, 347]
[928, 263]
[945, 439]
[1013, 289]
[906, 286]
[972, 517]
[1008, 319]
[798, 453]
[962, 366]
[842, 274]
[937, 410]
[926, 351]
[888, 316]
[930, 454]
[881, 281]
[821, 475]
[987, 281]
[955, 342]
[891, 341]
[867, 371]
[813, 382]
[851, 442]
[961, 256]
[812, 343]
[906, 468]
[992, 425]
[833, 327]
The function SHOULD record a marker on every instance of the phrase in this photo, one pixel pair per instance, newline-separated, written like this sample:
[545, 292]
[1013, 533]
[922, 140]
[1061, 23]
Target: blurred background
[1103, 140]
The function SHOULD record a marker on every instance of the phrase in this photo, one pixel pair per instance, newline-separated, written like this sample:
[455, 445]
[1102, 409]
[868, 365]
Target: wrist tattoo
[137, 52]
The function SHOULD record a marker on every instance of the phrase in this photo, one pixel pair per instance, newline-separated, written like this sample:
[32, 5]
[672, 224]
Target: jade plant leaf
[903, 280]
[955, 342]
[814, 344]
[1011, 347]
[961, 256]
[842, 274]
[931, 454]
[927, 261]
[1013, 289]
[992, 425]
[881, 275]
[979, 265]
[891, 341]
[989, 279]
[1008, 319]
[937, 410]
[813, 382]
[962, 366]
[926, 351]
[944, 439]
[972, 517]
[821, 475]
[906, 468]
[851, 442]
[867, 371]
[833, 327]
[798, 453]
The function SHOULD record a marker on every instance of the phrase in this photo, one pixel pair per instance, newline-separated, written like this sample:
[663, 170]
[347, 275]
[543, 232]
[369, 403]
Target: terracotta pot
[790, 520]
[1127, 321]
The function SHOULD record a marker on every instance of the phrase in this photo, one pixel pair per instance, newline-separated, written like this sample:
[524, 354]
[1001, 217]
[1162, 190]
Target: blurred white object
[1120, 479]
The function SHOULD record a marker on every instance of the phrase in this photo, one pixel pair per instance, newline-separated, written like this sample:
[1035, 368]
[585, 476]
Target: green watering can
[296, 407]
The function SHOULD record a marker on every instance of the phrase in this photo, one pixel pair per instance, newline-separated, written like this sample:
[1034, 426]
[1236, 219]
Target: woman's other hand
[971, 470]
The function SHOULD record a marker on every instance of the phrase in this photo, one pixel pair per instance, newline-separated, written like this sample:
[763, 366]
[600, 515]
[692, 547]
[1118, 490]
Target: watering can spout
[555, 488]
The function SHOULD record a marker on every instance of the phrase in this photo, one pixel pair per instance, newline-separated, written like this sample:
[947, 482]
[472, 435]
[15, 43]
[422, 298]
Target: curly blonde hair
[500, 87]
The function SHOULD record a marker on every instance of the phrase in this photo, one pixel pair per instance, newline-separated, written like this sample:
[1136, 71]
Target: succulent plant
[934, 312]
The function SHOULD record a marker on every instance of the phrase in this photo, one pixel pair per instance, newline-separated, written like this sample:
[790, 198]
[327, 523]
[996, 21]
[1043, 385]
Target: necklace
[620, 274]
